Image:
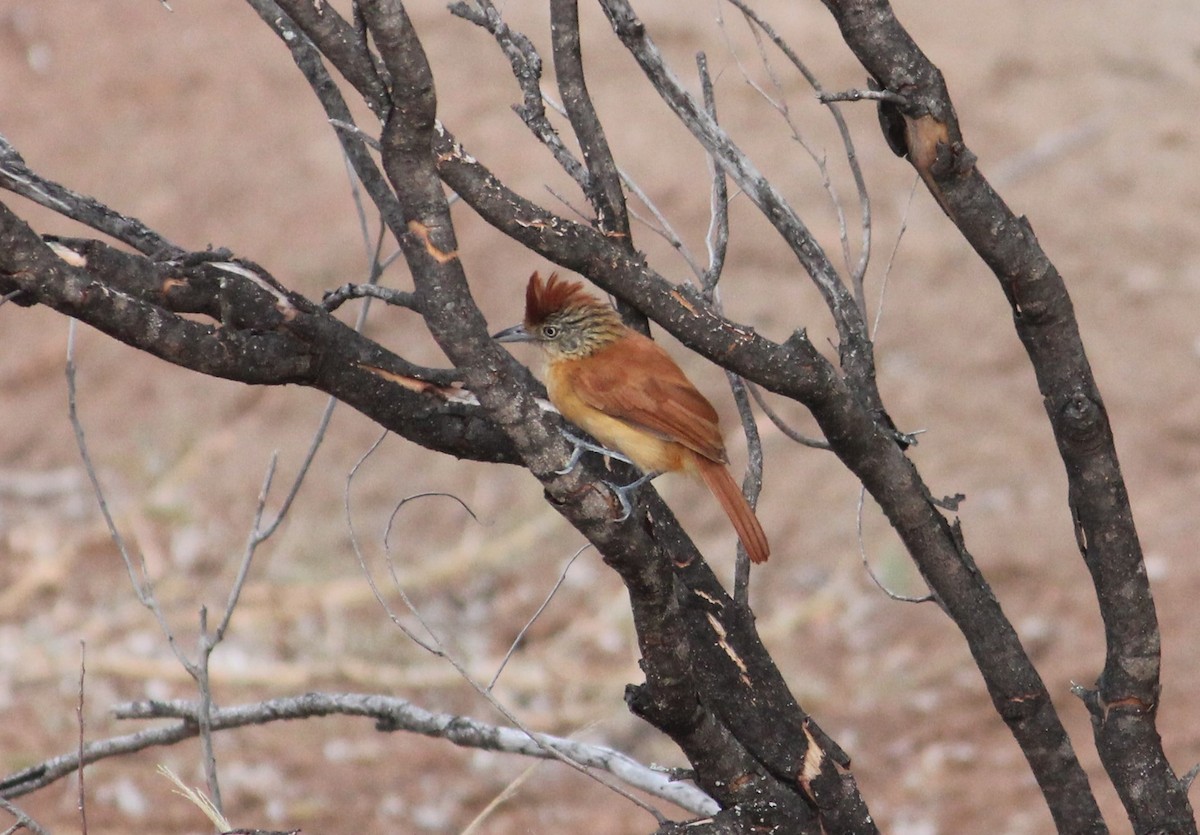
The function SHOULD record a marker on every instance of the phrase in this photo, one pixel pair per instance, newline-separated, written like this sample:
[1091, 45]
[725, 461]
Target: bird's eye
[549, 331]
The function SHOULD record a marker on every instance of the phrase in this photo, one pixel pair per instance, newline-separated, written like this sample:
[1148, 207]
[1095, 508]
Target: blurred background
[197, 122]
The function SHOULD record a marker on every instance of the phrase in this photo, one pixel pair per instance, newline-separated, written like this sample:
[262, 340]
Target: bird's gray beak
[516, 333]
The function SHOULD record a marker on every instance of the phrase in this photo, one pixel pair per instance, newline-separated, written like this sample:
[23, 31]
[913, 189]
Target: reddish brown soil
[198, 123]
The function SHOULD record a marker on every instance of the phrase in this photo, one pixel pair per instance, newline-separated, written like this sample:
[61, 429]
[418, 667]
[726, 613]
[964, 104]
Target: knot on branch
[1019, 707]
[1082, 418]
[1102, 710]
[640, 700]
[953, 159]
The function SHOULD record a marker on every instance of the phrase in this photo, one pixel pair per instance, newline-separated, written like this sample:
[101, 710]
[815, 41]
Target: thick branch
[1045, 322]
[672, 696]
[263, 335]
[797, 370]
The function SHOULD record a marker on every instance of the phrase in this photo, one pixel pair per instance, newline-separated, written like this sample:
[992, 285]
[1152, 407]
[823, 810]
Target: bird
[623, 389]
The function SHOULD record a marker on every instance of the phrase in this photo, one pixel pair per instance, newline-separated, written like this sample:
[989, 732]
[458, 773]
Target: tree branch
[390, 713]
[264, 335]
[1128, 690]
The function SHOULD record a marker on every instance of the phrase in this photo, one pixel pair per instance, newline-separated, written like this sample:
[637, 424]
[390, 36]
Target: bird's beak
[516, 333]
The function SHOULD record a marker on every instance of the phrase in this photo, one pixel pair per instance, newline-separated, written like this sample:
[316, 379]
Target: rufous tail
[718, 480]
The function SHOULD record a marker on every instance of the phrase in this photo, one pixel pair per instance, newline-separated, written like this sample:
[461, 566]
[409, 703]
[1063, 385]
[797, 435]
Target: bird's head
[563, 319]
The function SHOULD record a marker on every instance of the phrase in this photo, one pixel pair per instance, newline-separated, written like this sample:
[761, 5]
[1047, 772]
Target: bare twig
[887, 270]
[357, 132]
[138, 576]
[400, 298]
[717, 238]
[19, 179]
[23, 820]
[1188, 779]
[520, 635]
[663, 229]
[79, 719]
[362, 559]
[782, 425]
[390, 713]
[435, 646]
[751, 483]
[862, 552]
[858, 270]
[826, 97]
[527, 69]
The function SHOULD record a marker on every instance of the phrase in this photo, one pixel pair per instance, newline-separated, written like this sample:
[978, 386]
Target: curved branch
[1126, 700]
[390, 714]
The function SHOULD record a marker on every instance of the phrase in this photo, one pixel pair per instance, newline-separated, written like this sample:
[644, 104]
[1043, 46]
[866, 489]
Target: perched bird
[626, 391]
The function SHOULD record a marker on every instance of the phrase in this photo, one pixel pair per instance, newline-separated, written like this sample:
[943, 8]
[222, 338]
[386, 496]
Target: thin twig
[717, 239]
[825, 97]
[18, 178]
[664, 229]
[751, 483]
[255, 538]
[782, 425]
[858, 271]
[436, 647]
[357, 132]
[887, 271]
[520, 635]
[862, 552]
[23, 820]
[142, 587]
[436, 651]
[83, 826]
[1189, 778]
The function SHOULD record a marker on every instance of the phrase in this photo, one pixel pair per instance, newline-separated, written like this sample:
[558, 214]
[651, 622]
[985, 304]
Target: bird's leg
[622, 492]
[581, 446]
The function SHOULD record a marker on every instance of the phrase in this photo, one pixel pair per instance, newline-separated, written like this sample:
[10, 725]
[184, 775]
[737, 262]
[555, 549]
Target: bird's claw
[581, 446]
[624, 491]
[576, 454]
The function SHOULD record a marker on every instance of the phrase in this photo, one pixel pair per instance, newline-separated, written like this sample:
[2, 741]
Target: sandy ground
[197, 122]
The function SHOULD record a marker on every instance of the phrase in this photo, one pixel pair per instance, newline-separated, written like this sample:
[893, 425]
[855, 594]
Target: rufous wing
[636, 381]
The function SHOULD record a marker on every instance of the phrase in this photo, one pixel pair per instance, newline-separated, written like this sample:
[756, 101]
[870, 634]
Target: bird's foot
[581, 446]
[624, 491]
